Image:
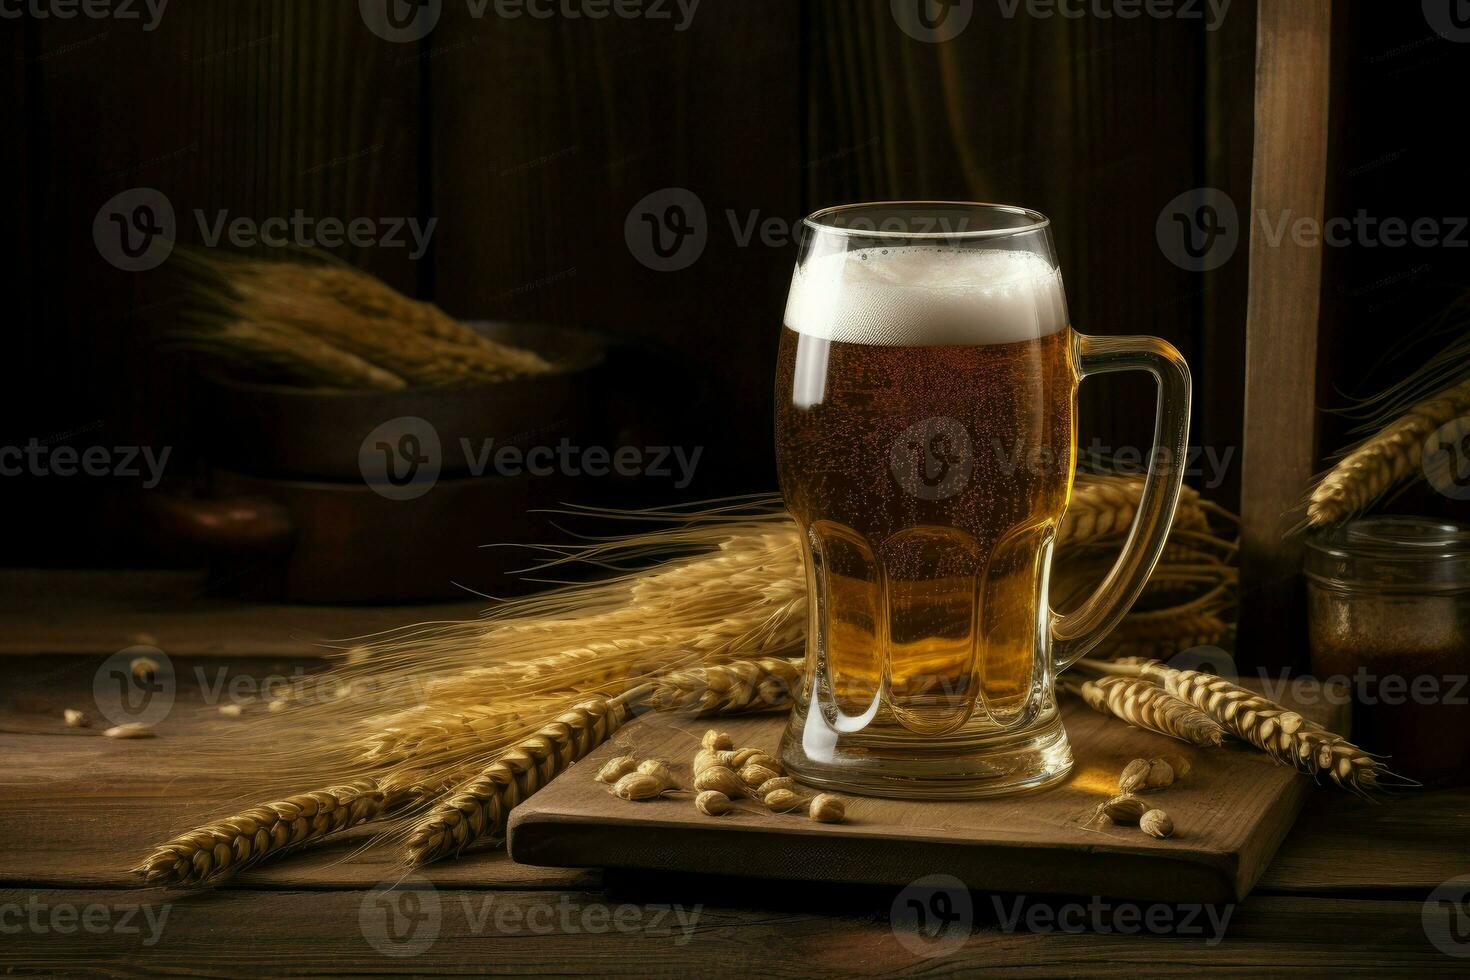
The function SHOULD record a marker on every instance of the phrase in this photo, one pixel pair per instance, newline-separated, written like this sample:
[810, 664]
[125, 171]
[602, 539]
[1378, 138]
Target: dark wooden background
[530, 140]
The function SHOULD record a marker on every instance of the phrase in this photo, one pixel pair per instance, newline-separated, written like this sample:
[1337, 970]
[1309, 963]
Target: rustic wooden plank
[573, 933]
[1411, 842]
[81, 810]
[1230, 814]
[1219, 376]
[53, 611]
[60, 835]
[85, 831]
[1288, 180]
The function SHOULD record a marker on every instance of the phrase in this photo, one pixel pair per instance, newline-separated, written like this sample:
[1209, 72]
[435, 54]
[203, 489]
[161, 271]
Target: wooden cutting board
[1229, 815]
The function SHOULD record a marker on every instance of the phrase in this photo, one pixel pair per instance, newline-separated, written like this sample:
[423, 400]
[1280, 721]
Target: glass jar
[1389, 615]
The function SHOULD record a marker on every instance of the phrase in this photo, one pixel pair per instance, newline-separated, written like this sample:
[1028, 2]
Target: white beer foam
[926, 296]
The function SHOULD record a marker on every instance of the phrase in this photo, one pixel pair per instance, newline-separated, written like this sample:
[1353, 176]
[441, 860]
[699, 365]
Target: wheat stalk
[1384, 460]
[1143, 704]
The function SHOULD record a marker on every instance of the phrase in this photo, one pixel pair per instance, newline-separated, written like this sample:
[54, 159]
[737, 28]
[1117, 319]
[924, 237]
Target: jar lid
[1410, 554]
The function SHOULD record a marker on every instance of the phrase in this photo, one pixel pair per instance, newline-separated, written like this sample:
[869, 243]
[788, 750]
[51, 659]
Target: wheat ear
[1104, 505]
[480, 808]
[1384, 460]
[1278, 731]
[217, 850]
[1144, 704]
[746, 685]
[1283, 734]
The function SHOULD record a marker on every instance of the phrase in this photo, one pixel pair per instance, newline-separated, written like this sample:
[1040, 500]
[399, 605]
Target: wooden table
[1346, 892]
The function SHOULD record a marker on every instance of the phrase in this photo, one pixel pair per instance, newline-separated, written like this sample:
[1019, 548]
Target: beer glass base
[954, 768]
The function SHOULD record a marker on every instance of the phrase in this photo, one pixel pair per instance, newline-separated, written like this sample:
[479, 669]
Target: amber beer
[925, 438]
[924, 433]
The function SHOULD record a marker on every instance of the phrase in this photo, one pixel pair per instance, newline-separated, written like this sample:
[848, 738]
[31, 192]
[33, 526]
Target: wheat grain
[712, 803]
[1123, 809]
[738, 759]
[721, 779]
[1384, 460]
[783, 800]
[639, 786]
[827, 808]
[756, 775]
[1156, 823]
[659, 770]
[717, 741]
[771, 785]
[132, 729]
[1143, 775]
[614, 769]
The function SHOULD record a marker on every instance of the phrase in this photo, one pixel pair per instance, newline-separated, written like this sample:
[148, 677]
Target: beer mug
[925, 436]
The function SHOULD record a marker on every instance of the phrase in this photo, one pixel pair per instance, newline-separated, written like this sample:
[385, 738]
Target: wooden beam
[1289, 172]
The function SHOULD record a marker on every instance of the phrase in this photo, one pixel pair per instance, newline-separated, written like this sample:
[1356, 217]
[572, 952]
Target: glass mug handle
[1077, 632]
